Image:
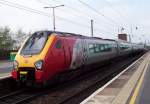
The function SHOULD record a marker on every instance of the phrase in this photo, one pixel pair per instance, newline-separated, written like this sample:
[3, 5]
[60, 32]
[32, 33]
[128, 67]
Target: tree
[6, 41]
[20, 36]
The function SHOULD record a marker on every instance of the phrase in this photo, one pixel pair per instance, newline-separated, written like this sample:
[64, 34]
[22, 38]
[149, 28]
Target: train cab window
[91, 48]
[34, 44]
[58, 44]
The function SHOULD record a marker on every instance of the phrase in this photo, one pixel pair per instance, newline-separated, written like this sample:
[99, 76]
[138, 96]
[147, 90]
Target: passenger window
[102, 48]
[58, 44]
[97, 48]
[109, 47]
[91, 48]
[106, 47]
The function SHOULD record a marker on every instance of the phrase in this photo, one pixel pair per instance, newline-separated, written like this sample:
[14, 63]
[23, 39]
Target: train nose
[28, 74]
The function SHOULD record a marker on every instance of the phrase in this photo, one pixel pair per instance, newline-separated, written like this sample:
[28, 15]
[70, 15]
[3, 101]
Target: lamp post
[53, 7]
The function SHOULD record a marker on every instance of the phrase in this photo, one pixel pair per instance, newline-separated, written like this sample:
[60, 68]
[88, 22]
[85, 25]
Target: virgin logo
[26, 61]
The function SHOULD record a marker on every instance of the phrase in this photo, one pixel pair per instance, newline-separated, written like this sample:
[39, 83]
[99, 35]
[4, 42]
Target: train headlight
[15, 65]
[39, 64]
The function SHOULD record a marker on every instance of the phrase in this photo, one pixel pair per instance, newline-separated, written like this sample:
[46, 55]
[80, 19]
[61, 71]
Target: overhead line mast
[54, 7]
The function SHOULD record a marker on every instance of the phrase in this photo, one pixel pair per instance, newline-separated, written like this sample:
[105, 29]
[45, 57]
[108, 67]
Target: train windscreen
[34, 44]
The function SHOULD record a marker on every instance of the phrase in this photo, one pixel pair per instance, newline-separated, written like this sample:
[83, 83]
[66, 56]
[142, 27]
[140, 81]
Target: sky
[75, 16]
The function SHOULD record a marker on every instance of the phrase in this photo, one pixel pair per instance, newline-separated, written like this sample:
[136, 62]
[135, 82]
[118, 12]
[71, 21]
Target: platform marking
[137, 89]
[4, 75]
[108, 83]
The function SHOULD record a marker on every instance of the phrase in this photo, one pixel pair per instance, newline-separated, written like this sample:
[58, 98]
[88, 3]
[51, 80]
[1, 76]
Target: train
[45, 54]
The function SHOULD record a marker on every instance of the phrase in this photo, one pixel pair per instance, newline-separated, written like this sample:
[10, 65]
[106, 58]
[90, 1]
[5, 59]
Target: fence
[5, 54]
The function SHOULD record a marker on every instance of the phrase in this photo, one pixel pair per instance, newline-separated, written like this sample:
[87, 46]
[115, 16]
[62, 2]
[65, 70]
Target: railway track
[9, 89]
[7, 85]
[69, 92]
[106, 76]
[18, 97]
[74, 92]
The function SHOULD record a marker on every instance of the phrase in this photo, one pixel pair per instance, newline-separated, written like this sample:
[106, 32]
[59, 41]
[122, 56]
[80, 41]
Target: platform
[5, 69]
[131, 86]
[141, 93]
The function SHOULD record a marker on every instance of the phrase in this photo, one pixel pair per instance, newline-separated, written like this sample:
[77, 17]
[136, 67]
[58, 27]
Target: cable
[21, 7]
[97, 29]
[117, 12]
[83, 13]
[75, 15]
[24, 8]
[38, 12]
[70, 13]
[99, 13]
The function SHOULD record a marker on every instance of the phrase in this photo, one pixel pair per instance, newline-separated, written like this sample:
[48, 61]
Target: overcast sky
[75, 17]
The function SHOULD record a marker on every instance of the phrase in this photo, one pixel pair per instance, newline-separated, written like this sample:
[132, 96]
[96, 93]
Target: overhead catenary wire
[21, 7]
[96, 28]
[99, 13]
[69, 13]
[116, 11]
[87, 15]
[123, 17]
[119, 13]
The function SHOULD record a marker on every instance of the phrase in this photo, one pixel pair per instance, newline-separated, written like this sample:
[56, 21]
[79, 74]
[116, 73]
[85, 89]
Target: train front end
[29, 61]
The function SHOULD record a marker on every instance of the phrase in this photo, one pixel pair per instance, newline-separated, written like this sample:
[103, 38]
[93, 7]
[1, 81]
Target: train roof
[67, 34]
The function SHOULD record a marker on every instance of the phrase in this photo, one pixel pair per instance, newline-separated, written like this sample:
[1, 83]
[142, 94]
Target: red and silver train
[46, 54]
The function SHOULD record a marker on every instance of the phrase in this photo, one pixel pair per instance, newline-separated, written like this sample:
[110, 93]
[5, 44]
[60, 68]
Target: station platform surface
[141, 93]
[5, 68]
[131, 86]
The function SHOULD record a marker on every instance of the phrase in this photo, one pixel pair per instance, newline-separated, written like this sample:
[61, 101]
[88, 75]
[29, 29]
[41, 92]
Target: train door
[85, 51]
[58, 52]
[67, 52]
[118, 48]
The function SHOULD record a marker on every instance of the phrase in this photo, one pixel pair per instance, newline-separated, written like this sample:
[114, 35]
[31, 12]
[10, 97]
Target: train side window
[102, 48]
[122, 47]
[58, 44]
[109, 47]
[106, 47]
[91, 48]
[97, 48]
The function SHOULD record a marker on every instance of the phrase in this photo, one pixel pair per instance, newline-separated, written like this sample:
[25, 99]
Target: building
[122, 36]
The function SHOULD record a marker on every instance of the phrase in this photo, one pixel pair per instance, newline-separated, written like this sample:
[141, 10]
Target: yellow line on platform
[137, 89]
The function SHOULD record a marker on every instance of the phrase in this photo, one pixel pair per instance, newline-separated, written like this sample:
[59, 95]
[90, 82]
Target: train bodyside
[60, 53]
[100, 50]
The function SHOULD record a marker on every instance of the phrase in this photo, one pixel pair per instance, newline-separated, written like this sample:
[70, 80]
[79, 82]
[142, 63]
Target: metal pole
[92, 28]
[130, 35]
[54, 25]
[118, 30]
[129, 38]
[54, 19]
